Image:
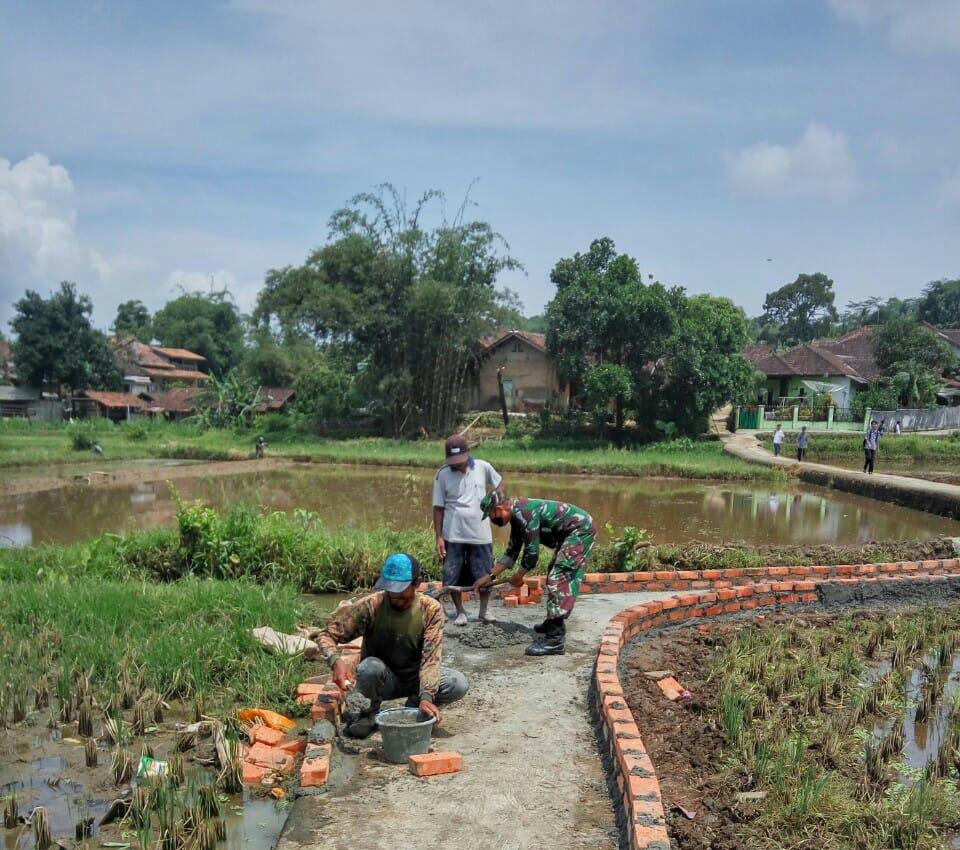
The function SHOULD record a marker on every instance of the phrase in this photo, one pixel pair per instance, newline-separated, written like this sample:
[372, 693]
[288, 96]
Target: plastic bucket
[404, 734]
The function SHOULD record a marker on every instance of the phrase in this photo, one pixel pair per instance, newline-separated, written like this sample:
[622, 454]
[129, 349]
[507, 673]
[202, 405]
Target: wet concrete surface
[671, 510]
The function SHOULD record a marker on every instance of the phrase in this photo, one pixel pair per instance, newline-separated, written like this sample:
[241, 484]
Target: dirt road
[533, 776]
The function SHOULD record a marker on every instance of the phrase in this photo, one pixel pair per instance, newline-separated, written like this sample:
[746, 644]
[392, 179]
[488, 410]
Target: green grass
[24, 445]
[180, 639]
[906, 447]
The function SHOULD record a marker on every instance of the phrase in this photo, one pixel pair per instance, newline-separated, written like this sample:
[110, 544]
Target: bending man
[566, 529]
[402, 633]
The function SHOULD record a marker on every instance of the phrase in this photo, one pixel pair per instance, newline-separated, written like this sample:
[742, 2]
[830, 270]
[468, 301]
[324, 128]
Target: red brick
[260, 734]
[511, 601]
[253, 773]
[308, 688]
[294, 746]
[676, 616]
[687, 601]
[805, 585]
[711, 574]
[725, 595]
[316, 765]
[435, 764]
[743, 592]
[809, 597]
[270, 757]
[307, 699]
[325, 711]
[790, 599]
[844, 570]
[595, 578]
[731, 607]
[714, 610]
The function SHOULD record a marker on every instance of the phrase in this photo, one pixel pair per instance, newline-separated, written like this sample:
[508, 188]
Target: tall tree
[56, 344]
[803, 310]
[409, 302]
[205, 323]
[914, 360]
[940, 304]
[133, 319]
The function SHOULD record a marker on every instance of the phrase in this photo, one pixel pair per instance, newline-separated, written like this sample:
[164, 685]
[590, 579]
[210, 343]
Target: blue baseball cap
[399, 571]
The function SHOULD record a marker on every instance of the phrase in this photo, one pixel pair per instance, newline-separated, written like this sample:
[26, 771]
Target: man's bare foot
[461, 619]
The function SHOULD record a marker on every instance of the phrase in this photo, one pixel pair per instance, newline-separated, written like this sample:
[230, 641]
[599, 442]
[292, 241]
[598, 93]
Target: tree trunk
[618, 413]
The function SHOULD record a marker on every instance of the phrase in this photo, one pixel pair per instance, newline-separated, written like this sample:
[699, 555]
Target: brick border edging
[662, 580]
[633, 770]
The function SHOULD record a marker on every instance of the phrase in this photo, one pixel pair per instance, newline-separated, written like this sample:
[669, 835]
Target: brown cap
[457, 448]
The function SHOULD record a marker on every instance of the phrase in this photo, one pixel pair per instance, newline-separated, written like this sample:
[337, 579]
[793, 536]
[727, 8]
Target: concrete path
[533, 775]
[932, 496]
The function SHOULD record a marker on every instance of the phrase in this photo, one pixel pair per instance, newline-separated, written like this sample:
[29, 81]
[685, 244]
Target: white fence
[936, 419]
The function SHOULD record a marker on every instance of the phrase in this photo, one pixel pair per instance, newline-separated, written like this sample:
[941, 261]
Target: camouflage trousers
[566, 573]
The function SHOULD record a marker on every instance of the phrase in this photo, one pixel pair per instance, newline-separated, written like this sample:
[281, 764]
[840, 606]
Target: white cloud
[819, 165]
[911, 24]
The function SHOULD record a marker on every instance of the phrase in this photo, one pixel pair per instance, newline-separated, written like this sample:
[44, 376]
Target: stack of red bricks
[274, 752]
[529, 593]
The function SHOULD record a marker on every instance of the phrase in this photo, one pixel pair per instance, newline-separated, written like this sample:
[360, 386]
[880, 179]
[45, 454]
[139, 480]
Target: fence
[936, 419]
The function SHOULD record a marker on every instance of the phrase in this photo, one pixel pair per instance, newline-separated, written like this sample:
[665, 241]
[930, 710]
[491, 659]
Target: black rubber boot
[541, 628]
[552, 642]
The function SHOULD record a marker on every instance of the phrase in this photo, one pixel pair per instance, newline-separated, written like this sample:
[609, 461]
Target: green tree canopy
[603, 314]
[409, 302]
[802, 310]
[56, 344]
[205, 323]
[536, 324]
[940, 304]
[133, 319]
[914, 359]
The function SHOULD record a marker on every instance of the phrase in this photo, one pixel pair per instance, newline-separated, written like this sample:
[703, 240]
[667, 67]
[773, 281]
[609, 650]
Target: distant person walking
[871, 442]
[778, 440]
[803, 441]
[897, 428]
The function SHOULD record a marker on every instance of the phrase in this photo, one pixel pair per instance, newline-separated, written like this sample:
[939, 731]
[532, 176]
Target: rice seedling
[146, 750]
[893, 742]
[90, 752]
[230, 756]
[81, 688]
[158, 706]
[127, 688]
[175, 768]
[18, 703]
[830, 747]
[185, 741]
[11, 812]
[115, 730]
[139, 721]
[138, 815]
[874, 767]
[733, 709]
[41, 693]
[85, 720]
[41, 829]
[122, 766]
[220, 829]
[83, 829]
[65, 695]
[198, 707]
[209, 801]
[924, 709]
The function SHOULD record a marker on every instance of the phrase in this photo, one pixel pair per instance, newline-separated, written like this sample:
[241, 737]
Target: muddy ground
[532, 778]
[683, 738]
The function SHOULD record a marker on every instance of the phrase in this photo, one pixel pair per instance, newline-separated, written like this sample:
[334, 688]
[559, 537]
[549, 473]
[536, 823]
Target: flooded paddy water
[671, 510]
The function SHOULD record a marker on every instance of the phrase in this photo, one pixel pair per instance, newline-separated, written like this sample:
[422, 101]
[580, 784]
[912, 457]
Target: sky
[728, 145]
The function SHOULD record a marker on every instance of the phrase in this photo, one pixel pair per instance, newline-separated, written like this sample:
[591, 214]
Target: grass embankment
[814, 716]
[24, 444]
[909, 448]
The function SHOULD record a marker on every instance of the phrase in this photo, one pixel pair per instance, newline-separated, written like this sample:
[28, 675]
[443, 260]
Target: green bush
[83, 435]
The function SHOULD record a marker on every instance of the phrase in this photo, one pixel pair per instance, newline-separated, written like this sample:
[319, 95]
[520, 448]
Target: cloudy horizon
[729, 147]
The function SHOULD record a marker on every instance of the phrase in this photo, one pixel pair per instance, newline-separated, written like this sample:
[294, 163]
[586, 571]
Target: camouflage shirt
[536, 521]
[409, 642]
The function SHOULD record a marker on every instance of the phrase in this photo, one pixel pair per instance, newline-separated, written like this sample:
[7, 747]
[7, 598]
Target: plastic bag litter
[268, 718]
[286, 644]
[151, 767]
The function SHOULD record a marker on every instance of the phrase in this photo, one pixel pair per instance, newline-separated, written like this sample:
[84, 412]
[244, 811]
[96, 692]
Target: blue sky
[146, 146]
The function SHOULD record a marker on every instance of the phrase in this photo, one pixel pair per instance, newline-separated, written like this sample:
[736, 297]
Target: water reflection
[350, 496]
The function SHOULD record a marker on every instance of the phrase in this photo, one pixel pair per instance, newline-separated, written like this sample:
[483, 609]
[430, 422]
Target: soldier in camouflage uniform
[563, 527]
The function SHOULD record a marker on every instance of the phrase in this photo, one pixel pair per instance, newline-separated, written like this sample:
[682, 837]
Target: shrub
[83, 435]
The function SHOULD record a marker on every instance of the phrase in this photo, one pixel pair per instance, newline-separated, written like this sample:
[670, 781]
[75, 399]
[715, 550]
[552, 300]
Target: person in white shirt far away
[777, 440]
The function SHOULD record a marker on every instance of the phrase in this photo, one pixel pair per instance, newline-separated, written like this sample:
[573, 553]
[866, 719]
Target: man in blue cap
[402, 633]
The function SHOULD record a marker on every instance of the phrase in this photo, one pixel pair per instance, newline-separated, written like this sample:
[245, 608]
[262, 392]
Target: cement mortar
[491, 635]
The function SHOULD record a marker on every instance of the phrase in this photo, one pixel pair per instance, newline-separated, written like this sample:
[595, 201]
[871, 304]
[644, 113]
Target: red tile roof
[179, 354]
[115, 400]
[274, 398]
[850, 355]
[538, 341]
[177, 374]
[181, 400]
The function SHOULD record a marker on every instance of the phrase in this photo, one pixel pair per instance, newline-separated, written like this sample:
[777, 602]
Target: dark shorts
[467, 562]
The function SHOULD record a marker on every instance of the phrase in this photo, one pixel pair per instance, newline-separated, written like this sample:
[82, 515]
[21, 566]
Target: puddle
[70, 792]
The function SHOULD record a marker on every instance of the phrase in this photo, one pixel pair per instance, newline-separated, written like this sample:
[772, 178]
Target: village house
[530, 380]
[117, 407]
[153, 368]
[175, 404]
[840, 367]
[276, 399]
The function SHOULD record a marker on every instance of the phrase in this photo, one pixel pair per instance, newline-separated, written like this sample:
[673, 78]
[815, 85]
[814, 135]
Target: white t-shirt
[778, 437]
[459, 494]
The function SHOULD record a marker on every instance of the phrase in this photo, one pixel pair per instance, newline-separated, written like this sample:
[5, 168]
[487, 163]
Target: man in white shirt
[777, 440]
[464, 537]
